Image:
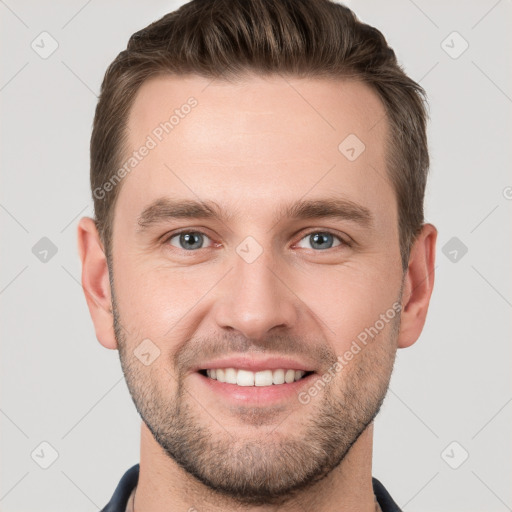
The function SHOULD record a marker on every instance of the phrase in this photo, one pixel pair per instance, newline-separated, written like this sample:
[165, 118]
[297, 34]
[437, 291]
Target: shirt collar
[120, 499]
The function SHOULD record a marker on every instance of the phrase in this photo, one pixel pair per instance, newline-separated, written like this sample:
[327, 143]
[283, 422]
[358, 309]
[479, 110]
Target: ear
[418, 285]
[95, 282]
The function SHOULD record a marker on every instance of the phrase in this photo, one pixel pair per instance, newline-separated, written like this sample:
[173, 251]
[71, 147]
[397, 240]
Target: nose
[255, 298]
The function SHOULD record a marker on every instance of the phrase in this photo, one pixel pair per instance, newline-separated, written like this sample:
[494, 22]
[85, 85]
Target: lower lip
[256, 394]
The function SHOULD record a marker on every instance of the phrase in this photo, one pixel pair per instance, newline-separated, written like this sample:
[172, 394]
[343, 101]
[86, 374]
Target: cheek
[349, 303]
[157, 301]
[164, 302]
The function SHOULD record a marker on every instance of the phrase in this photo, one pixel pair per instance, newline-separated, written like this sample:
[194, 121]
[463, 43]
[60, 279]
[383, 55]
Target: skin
[252, 146]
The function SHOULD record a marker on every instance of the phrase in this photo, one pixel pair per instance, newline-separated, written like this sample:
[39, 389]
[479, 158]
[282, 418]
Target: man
[258, 252]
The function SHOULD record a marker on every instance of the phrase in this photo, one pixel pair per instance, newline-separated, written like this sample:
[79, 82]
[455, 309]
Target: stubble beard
[267, 468]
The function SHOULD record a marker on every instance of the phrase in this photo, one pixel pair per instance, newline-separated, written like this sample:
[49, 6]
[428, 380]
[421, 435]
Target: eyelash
[342, 241]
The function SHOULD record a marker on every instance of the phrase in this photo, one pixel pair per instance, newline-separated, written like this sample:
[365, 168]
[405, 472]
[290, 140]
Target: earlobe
[95, 282]
[418, 286]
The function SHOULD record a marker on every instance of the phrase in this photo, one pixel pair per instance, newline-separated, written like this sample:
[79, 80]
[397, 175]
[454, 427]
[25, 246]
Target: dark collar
[129, 480]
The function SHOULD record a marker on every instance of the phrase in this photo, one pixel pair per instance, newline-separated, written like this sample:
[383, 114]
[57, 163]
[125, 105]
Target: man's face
[257, 284]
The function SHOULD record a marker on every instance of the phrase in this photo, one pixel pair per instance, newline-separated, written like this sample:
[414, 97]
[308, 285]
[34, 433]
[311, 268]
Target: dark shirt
[129, 480]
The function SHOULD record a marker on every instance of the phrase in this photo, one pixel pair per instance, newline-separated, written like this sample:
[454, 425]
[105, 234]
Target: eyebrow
[165, 209]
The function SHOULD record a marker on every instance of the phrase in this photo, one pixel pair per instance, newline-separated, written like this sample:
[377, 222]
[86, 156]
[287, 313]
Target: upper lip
[254, 365]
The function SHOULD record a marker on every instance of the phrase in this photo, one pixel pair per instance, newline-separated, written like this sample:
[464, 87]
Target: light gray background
[61, 386]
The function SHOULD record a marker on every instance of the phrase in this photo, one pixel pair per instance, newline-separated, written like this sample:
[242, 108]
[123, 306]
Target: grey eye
[321, 240]
[188, 240]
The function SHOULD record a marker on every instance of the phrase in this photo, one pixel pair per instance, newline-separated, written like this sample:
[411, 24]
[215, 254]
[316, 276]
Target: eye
[188, 240]
[322, 240]
[192, 240]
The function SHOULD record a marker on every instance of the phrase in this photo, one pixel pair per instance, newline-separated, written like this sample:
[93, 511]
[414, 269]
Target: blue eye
[192, 240]
[189, 240]
[322, 240]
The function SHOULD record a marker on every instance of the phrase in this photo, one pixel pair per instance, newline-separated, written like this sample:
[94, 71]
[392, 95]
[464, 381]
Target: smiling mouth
[247, 378]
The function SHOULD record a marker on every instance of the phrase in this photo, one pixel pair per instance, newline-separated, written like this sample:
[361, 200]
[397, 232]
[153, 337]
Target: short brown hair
[303, 38]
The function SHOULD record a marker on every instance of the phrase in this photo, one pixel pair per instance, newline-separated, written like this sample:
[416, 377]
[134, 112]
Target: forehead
[318, 110]
[256, 140]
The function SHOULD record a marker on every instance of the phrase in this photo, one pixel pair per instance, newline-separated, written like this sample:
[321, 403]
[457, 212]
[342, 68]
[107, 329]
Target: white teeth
[289, 376]
[278, 377]
[244, 378]
[230, 375]
[261, 378]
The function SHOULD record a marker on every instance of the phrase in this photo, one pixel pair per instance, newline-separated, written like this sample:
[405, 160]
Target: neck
[163, 485]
